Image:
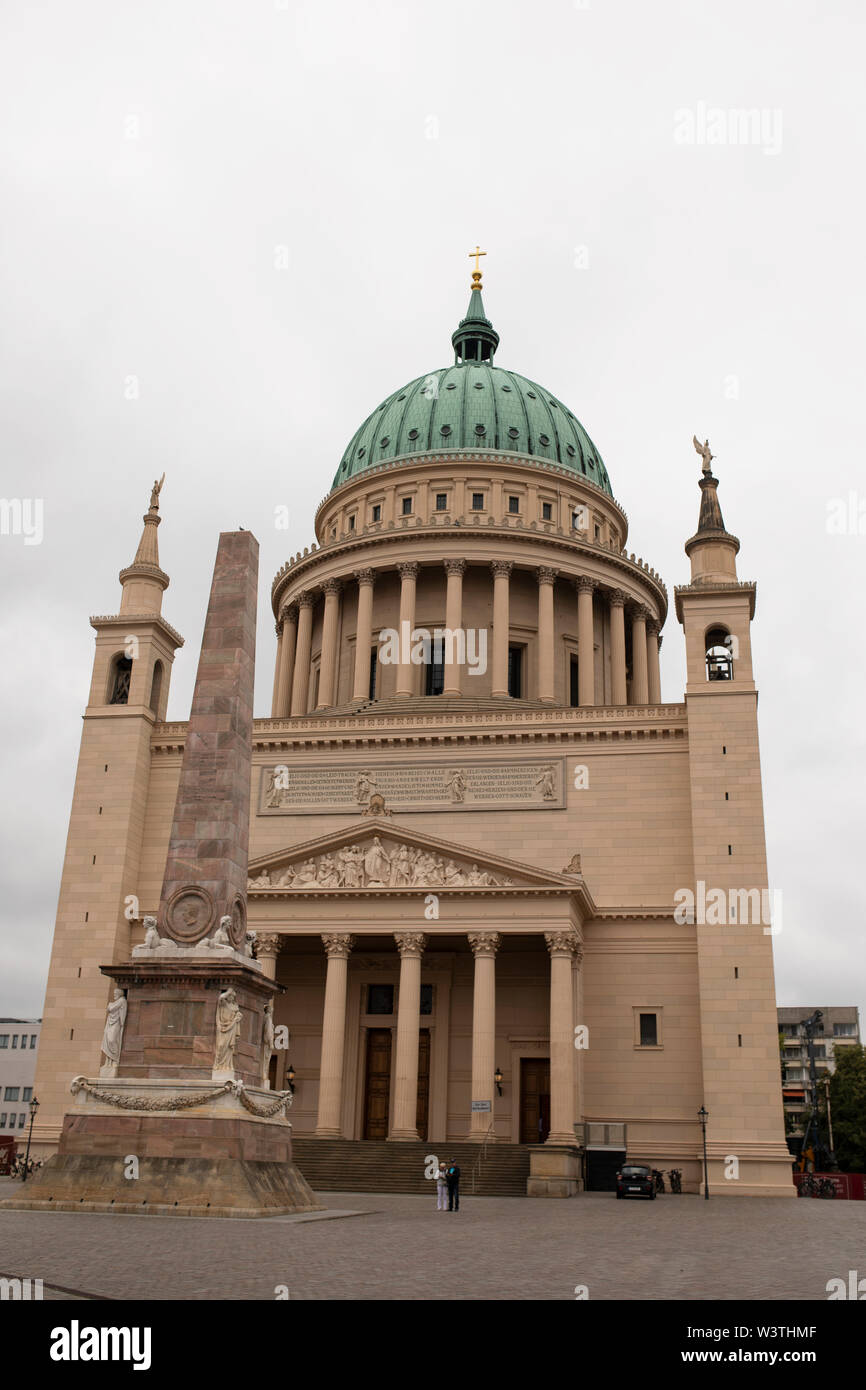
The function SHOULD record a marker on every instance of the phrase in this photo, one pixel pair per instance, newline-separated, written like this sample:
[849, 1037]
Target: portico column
[328, 664]
[287, 661]
[277, 664]
[617, 646]
[405, 671]
[267, 950]
[453, 623]
[338, 946]
[585, 642]
[411, 945]
[639, 688]
[301, 675]
[501, 578]
[484, 946]
[546, 580]
[654, 678]
[363, 635]
[563, 946]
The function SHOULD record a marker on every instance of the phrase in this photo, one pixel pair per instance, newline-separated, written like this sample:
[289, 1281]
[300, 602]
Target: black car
[635, 1180]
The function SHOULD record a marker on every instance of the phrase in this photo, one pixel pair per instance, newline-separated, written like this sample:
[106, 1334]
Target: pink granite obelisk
[206, 868]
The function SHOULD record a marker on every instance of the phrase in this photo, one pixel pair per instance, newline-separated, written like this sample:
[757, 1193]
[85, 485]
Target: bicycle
[676, 1177]
[659, 1180]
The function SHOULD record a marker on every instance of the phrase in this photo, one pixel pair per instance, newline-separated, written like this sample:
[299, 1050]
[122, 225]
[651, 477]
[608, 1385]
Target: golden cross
[476, 253]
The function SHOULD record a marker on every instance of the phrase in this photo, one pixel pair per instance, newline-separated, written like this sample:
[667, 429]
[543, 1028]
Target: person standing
[452, 1180]
[441, 1189]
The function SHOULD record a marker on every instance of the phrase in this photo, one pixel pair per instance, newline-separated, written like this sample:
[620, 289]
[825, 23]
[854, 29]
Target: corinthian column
[640, 687]
[453, 622]
[484, 946]
[267, 949]
[411, 945]
[654, 678]
[405, 671]
[546, 581]
[338, 946]
[363, 635]
[329, 643]
[277, 664]
[563, 946]
[617, 646]
[501, 578]
[301, 678]
[585, 643]
[289, 631]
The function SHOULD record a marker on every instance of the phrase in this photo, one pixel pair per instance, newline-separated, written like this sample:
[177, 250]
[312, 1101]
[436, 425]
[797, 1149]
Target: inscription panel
[309, 788]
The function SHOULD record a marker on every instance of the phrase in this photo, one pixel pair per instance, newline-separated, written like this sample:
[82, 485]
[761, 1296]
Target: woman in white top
[441, 1189]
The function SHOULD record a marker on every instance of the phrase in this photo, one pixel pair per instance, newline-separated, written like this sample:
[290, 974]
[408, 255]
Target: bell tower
[128, 694]
[733, 922]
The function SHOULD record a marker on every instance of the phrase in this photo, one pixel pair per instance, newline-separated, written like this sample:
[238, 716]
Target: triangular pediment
[380, 855]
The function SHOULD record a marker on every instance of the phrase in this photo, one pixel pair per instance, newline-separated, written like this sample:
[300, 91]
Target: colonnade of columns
[294, 631]
[564, 948]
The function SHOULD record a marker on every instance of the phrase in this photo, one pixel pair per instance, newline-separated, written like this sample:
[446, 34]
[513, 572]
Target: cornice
[713, 589]
[127, 619]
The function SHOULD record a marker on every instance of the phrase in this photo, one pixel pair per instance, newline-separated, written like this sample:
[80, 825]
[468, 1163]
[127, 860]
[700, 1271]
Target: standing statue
[112, 1038]
[228, 1030]
[456, 784]
[267, 1043]
[154, 493]
[365, 785]
[545, 783]
[377, 864]
[704, 451]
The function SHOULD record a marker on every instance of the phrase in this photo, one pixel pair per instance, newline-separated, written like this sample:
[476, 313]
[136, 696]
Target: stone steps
[345, 1165]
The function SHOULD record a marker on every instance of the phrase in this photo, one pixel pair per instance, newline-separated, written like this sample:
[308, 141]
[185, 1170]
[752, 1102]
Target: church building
[512, 898]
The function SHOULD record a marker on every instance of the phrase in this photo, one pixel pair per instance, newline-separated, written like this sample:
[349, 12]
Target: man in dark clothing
[452, 1178]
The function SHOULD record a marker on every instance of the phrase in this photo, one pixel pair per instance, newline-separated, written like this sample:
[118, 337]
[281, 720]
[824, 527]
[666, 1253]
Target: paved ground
[400, 1247]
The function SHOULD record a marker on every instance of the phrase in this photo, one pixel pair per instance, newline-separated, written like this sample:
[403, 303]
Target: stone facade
[510, 960]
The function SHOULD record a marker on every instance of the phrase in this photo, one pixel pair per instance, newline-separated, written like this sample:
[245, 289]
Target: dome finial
[476, 274]
[475, 339]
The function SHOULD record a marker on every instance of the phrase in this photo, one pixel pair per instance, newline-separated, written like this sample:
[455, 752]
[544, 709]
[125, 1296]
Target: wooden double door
[377, 1083]
[534, 1099]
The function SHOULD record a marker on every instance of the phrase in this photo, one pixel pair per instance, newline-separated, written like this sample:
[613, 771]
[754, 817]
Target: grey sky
[161, 162]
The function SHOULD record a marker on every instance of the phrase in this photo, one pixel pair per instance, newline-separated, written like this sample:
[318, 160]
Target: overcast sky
[231, 229]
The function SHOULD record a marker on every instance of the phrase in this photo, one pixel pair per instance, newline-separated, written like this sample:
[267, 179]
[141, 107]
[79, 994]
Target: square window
[547, 511]
[407, 506]
[4, 1039]
[27, 1093]
[14, 1039]
[11, 1093]
[21, 1118]
[377, 512]
[649, 1030]
[441, 501]
[2, 1119]
[33, 1037]
[514, 505]
[478, 501]
[380, 999]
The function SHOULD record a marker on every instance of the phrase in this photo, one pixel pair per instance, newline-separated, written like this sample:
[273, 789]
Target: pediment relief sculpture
[377, 864]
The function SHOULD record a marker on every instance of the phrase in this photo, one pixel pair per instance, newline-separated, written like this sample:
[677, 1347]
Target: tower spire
[144, 582]
[475, 339]
[712, 549]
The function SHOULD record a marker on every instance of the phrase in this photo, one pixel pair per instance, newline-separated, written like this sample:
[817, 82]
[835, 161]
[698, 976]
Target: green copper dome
[470, 406]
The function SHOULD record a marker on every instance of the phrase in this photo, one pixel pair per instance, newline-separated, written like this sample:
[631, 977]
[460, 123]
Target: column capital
[365, 576]
[617, 598]
[287, 614]
[653, 625]
[408, 569]
[455, 566]
[545, 575]
[484, 943]
[338, 945]
[585, 585]
[269, 944]
[332, 586]
[306, 599]
[640, 613]
[564, 943]
[410, 943]
[501, 567]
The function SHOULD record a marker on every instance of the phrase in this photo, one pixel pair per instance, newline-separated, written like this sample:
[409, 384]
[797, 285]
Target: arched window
[156, 687]
[720, 661]
[121, 673]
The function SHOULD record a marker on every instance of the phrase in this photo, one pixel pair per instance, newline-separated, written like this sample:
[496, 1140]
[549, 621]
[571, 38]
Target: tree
[848, 1108]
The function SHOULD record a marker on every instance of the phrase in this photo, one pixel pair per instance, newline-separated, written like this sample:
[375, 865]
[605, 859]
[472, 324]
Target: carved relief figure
[456, 784]
[152, 938]
[377, 865]
[112, 1038]
[545, 783]
[228, 1030]
[365, 785]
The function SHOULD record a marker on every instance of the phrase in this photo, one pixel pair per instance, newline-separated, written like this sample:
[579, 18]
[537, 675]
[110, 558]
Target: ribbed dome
[474, 405]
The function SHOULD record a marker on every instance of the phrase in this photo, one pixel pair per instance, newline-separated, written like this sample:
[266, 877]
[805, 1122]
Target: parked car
[635, 1180]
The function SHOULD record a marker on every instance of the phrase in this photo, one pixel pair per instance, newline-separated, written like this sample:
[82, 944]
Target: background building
[467, 864]
[19, 1041]
[839, 1028]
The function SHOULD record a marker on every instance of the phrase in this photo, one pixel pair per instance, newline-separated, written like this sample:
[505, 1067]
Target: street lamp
[703, 1116]
[497, 1077]
[290, 1079]
[34, 1106]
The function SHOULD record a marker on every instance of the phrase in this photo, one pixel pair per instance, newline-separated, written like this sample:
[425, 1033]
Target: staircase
[360, 1165]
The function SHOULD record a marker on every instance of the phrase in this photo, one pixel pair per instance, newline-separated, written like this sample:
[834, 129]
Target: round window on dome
[532, 396]
[543, 439]
[452, 386]
[506, 388]
[413, 434]
[479, 385]
[361, 453]
[403, 397]
[480, 429]
[513, 433]
[569, 449]
[384, 441]
[446, 429]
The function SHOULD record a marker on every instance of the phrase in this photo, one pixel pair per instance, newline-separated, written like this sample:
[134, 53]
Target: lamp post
[34, 1106]
[497, 1077]
[703, 1116]
[290, 1079]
